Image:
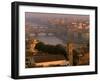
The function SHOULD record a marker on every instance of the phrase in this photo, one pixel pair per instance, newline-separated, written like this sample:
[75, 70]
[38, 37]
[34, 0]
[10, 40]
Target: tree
[51, 49]
[40, 46]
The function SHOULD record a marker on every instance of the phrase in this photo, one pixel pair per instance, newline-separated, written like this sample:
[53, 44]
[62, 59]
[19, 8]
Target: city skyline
[55, 24]
[44, 18]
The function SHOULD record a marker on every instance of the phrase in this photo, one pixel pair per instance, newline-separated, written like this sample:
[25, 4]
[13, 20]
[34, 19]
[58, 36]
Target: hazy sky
[42, 18]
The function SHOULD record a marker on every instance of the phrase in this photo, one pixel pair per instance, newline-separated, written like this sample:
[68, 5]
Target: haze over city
[56, 39]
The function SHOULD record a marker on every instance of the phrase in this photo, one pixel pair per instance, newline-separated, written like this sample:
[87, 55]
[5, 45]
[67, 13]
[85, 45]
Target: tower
[70, 47]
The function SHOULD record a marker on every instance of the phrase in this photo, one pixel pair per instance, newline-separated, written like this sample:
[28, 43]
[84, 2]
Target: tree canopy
[51, 49]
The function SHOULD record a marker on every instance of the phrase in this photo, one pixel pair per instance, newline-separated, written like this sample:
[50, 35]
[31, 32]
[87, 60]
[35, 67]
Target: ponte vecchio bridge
[59, 32]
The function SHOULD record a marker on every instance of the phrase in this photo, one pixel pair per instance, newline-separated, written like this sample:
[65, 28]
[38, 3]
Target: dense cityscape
[54, 40]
